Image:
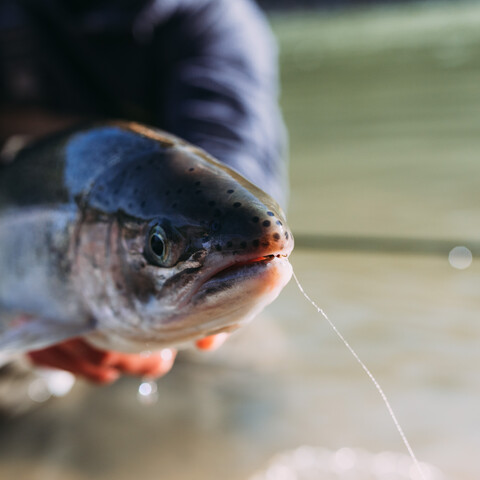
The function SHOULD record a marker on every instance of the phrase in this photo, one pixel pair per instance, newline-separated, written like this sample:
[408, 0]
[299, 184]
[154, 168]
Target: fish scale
[152, 242]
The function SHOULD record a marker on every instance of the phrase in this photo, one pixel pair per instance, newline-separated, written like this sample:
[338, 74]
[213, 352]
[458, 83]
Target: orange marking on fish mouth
[237, 265]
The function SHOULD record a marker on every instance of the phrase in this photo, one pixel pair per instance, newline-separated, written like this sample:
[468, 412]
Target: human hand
[106, 366]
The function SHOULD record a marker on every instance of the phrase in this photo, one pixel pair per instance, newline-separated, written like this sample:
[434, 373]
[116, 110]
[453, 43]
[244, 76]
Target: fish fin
[26, 333]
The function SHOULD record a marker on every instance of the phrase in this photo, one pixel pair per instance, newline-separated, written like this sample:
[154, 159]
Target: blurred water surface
[383, 112]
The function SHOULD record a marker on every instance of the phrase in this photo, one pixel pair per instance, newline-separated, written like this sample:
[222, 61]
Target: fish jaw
[236, 294]
[222, 303]
[229, 291]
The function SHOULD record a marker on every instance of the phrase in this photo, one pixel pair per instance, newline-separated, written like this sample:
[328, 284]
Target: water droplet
[460, 257]
[59, 383]
[38, 390]
[147, 392]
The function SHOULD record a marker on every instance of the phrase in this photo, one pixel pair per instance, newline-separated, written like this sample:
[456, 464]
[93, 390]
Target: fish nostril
[255, 219]
[266, 223]
[276, 236]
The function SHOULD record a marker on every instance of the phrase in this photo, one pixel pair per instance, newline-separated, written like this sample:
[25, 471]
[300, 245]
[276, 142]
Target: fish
[133, 239]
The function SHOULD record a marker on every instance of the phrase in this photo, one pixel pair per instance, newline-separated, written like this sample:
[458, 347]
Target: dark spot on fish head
[230, 191]
[276, 236]
[270, 214]
[237, 204]
[266, 223]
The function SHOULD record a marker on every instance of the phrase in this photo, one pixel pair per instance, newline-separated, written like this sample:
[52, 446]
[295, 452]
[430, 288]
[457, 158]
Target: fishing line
[372, 378]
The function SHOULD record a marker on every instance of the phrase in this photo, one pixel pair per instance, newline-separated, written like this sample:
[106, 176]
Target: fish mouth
[233, 269]
[226, 276]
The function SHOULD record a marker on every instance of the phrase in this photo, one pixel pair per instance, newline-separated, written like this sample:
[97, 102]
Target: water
[148, 392]
[370, 375]
[316, 463]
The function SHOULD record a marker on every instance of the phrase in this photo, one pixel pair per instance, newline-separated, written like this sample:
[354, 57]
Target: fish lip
[262, 260]
[235, 264]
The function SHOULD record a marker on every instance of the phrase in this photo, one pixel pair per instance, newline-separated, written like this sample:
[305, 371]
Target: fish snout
[259, 232]
[275, 237]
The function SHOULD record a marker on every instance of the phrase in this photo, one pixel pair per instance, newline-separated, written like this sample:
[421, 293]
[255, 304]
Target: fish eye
[157, 251]
[157, 245]
[164, 246]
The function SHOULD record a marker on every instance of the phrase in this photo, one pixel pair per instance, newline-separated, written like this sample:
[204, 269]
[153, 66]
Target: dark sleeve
[216, 83]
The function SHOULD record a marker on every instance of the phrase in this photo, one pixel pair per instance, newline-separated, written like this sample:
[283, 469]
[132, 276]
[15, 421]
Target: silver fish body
[134, 239]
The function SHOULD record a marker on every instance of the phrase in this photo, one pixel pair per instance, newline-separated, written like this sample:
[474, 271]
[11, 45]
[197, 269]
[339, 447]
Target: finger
[58, 357]
[79, 348]
[150, 365]
[211, 342]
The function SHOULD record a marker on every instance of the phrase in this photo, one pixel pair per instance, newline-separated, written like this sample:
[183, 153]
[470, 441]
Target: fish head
[190, 249]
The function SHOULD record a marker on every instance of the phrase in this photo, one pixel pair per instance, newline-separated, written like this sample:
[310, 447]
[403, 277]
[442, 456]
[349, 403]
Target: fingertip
[162, 363]
[211, 342]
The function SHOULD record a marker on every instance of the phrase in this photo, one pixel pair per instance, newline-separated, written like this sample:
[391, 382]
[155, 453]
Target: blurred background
[382, 107]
